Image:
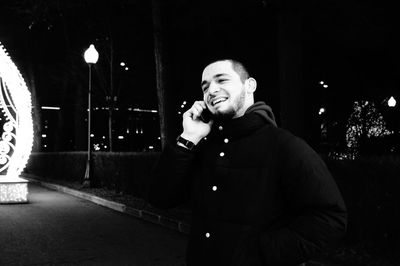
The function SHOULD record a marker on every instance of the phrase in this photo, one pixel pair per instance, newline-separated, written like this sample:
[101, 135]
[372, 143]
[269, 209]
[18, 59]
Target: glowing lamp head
[392, 102]
[91, 55]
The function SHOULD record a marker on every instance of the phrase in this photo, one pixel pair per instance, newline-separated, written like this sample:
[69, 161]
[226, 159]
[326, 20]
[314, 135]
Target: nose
[213, 88]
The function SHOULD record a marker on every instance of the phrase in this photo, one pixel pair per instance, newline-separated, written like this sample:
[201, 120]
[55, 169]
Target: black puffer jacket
[260, 195]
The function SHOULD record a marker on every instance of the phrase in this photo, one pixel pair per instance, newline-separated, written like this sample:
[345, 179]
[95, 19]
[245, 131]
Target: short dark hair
[237, 66]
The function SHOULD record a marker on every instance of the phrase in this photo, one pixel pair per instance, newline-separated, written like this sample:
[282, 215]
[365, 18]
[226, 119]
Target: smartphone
[205, 116]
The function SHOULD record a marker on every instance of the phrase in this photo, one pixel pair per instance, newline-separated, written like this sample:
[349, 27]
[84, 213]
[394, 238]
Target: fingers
[195, 111]
[202, 104]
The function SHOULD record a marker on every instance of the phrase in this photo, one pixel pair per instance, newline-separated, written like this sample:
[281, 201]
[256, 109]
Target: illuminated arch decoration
[17, 137]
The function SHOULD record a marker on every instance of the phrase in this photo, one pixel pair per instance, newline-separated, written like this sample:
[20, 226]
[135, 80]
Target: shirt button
[220, 128]
[222, 154]
[207, 235]
[226, 140]
[214, 188]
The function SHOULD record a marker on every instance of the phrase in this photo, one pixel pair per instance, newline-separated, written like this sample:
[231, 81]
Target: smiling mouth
[218, 100]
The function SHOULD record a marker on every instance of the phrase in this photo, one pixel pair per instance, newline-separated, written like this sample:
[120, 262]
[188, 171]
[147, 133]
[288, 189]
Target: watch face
[189, 144]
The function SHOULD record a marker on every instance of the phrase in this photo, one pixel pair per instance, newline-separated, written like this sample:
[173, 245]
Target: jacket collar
[237, 127]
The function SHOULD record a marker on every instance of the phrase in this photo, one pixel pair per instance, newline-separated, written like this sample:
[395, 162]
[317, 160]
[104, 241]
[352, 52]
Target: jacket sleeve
[169, 184]
[317, 212]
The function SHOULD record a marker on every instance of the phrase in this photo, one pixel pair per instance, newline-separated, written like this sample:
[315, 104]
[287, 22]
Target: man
[260, 196]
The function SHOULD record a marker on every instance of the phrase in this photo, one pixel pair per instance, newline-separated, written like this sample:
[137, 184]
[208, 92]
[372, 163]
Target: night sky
[351, 45]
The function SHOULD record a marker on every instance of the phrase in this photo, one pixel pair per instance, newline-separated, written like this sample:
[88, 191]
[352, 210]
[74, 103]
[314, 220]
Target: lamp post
[91, 56]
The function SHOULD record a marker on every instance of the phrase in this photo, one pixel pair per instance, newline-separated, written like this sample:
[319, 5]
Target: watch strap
[187, 143]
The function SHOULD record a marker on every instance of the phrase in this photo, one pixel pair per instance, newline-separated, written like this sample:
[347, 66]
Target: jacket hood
[265, 111]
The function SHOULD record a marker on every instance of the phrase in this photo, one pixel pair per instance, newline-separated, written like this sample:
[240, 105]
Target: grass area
[179, 213]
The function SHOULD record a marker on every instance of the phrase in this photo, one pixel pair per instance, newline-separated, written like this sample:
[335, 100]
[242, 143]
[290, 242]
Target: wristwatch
[186, 143]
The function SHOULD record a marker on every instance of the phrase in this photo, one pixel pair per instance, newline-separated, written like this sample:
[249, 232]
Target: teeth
[219, 100]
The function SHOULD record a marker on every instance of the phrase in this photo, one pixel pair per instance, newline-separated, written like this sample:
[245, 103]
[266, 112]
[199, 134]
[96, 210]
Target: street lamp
[91, 56]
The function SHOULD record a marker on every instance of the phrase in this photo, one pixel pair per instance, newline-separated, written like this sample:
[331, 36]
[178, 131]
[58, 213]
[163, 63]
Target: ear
[250, 85]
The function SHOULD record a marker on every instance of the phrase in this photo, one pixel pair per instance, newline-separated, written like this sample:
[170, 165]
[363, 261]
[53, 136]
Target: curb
[146, 215]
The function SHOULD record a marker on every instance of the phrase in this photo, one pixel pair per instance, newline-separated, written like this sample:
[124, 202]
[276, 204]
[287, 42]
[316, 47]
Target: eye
[204, 88]
[222, 80]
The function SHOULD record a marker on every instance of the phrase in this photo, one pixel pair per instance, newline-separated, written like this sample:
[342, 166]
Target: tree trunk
[110, 120]
[112, 99]
[159, 64]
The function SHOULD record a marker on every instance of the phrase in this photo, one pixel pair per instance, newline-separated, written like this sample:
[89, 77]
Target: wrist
[192, 138]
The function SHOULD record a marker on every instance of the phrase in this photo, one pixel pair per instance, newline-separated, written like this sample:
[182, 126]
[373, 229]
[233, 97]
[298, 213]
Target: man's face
[223, 91]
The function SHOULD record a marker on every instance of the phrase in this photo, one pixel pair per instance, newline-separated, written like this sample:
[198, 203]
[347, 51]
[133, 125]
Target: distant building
[133, 129]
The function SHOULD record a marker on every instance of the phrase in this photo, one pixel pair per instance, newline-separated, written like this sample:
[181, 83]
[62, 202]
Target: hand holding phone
[196, 122]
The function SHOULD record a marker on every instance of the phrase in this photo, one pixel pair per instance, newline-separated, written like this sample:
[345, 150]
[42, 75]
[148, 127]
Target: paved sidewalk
[59, 229]
[144, 211]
